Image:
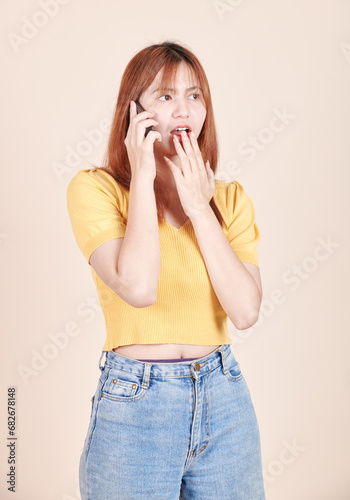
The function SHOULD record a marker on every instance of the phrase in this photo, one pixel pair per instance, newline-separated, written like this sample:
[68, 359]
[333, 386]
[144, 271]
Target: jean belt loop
[146, 375]
[99, 363]
[223, 359]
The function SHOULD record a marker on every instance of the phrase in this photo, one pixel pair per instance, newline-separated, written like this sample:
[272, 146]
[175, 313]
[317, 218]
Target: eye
[165, 95]
[197, 96]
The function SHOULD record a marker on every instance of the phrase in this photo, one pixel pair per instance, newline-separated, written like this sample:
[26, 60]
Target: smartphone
[139, 110]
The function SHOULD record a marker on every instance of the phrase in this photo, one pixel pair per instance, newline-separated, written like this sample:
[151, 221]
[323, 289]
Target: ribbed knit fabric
[187, 310]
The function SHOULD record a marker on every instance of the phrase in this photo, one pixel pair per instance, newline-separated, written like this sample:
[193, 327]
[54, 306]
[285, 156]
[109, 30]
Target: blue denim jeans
[170, 431]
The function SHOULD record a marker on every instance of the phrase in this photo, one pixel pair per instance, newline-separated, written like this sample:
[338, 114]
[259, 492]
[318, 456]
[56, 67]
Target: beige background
[262, 59]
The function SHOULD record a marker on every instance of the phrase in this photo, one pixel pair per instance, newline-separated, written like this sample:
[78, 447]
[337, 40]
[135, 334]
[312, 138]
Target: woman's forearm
[139, 257]
[233, 284]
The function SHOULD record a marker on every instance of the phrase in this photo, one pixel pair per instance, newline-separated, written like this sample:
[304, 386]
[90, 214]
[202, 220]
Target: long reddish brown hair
[137, 77]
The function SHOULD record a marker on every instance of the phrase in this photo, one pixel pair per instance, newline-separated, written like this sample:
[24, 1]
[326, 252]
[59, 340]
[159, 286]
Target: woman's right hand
[139, 147]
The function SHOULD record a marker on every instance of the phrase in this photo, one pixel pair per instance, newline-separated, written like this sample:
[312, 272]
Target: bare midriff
[165, 351]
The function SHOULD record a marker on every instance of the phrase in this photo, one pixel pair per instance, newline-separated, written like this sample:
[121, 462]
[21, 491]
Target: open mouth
[178, 131]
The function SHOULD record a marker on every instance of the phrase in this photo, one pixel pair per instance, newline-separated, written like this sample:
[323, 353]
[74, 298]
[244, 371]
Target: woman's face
[183, 106]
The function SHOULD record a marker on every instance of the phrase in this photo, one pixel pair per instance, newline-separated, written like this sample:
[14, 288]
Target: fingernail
[192, 133]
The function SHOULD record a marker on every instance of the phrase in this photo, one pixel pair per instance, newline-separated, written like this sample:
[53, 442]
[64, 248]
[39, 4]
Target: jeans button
[197, 367]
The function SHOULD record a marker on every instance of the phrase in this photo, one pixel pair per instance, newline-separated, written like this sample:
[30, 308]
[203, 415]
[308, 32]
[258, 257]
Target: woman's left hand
[196, 183]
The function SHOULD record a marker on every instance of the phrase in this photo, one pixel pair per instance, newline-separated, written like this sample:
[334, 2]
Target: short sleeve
[243, 233]
[92, 204]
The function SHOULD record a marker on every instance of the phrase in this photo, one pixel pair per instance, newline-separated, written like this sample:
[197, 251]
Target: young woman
[173, 253]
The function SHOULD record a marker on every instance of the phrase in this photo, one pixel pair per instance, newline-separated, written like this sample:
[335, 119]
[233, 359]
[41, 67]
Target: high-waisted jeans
[170, 431]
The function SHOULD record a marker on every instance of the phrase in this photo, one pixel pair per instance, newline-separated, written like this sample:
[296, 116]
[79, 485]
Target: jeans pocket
[234, 372]
[123, 386]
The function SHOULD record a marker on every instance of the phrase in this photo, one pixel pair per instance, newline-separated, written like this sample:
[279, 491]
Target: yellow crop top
[186, 310]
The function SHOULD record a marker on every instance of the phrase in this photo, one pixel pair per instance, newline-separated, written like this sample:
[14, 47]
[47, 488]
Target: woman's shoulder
[93, 175]
[225, 192]
[232, 199]
[97, 178]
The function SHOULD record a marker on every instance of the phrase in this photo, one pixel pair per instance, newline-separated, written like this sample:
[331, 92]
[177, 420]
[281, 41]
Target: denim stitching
[93, 417]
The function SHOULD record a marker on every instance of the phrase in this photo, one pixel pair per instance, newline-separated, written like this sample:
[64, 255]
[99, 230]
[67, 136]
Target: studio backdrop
[279, 74]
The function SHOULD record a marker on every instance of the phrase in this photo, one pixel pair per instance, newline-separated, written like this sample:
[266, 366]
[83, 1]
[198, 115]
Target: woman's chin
[164, 148]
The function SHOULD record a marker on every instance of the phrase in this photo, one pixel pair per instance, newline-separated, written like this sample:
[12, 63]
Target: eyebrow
[172, 90]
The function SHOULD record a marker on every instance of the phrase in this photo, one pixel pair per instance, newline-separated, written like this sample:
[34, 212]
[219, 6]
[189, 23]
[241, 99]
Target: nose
[180, 108]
